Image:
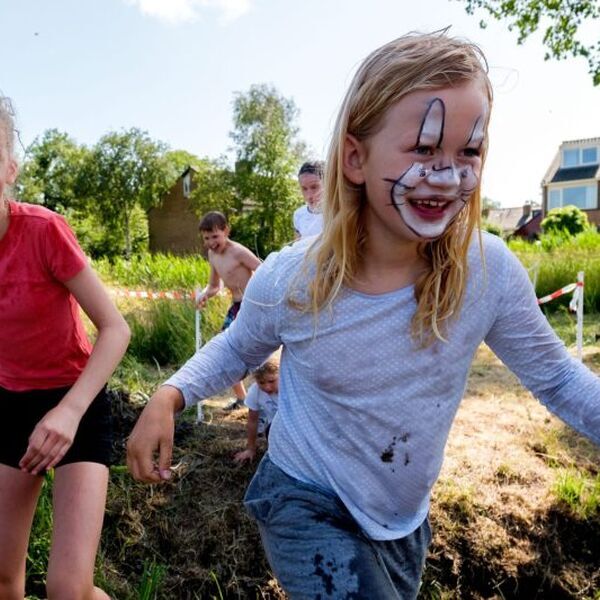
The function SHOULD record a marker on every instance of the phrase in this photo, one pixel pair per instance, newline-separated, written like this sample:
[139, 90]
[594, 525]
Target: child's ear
[13, 171]
[353, 157]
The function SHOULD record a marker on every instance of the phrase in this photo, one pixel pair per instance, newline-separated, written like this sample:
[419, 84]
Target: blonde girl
[379, 321]
[55, 412]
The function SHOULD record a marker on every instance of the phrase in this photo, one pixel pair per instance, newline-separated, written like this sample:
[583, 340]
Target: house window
[571, 158]
[187, 185]
[576, 157]
[589, 156]
[581, 196]
[554, 199]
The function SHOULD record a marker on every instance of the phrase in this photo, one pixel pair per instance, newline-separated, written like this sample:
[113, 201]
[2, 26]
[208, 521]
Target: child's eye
[424, 150]
[470, 152]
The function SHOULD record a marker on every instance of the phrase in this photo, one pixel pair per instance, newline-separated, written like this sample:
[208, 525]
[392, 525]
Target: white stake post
[197, 294]
[580, 316]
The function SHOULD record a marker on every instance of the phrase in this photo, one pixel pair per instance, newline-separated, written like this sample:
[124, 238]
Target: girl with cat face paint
[379, 319]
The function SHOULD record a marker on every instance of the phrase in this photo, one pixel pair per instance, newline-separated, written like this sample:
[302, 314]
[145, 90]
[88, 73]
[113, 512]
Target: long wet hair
[408, 64]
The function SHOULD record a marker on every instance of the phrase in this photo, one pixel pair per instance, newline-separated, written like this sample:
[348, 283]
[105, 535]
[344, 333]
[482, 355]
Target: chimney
[526, 210]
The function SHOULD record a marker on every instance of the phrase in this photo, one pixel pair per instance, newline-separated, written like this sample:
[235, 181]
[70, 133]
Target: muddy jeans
[317, 550]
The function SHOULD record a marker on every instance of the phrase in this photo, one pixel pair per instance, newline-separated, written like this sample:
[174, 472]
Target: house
[173, 225]
[522, 221]
[573, 178]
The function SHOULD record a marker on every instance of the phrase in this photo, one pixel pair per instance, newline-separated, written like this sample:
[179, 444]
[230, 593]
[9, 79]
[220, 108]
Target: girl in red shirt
[55, 412]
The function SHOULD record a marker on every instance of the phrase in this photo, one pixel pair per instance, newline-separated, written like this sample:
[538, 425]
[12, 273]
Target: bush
[568, 219]
[491, 228]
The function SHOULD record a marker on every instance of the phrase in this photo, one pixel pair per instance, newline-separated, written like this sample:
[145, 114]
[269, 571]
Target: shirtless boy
[231, 263]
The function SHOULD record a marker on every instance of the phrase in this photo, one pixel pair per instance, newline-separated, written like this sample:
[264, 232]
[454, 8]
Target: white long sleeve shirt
[365, 413]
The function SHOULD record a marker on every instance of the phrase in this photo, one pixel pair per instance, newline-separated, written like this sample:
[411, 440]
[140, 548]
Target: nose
[446, 176]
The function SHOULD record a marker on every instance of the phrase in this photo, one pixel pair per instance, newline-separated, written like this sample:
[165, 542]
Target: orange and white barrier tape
[124, 293]
[567, 289]
[575, 305]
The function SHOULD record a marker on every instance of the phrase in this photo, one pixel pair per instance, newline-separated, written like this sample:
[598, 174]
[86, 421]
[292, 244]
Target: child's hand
[50, 440]
[153, 434]
[201, 301]
[244, 455]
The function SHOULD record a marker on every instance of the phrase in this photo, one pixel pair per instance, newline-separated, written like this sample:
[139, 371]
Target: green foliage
[124, 171]
[580, 492]
[215, 189]
[152, 577]
[155, 272]
[50, 174]
[558, 263]
[562, 21]
[164, 332]
[267, 154]
[568, 220]
[491, 228]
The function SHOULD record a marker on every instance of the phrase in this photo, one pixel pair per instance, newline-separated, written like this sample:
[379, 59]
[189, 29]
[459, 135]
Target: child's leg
[316, 549]
[79, 500]
[18, 497]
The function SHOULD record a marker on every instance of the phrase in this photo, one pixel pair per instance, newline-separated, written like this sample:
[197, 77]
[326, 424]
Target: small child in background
[262, 400]
[231, 263]
[308, 219]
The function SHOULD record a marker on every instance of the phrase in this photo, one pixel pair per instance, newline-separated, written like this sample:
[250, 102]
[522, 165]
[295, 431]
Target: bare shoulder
[240, 251]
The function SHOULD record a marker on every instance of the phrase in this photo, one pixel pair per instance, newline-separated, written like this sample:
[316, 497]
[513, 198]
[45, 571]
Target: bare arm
[212, 289]
[252, 430]
[54, 434]
[153, 434]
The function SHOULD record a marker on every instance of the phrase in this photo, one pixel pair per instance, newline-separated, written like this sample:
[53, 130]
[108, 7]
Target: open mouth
[429, 208]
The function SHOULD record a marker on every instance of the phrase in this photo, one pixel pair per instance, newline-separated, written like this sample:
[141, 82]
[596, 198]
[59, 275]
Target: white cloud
[186, 11]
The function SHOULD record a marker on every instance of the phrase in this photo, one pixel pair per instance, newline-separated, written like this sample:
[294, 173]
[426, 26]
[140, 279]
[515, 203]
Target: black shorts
[21, 411]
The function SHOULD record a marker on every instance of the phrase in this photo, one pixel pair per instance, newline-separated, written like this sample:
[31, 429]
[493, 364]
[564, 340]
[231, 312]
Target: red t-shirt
[43, 343]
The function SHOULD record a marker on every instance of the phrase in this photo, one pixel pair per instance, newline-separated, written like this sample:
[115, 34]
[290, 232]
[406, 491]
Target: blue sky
[171, 67]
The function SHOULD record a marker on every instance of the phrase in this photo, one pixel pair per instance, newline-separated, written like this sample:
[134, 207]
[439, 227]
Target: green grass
[580, 491]
[155, 272]
[559, 261]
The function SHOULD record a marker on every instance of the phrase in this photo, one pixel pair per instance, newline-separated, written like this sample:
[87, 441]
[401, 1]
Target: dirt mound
[499, 532]
[193, 528]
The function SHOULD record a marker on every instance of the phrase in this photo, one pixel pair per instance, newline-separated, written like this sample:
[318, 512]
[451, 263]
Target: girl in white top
[379, 318]
[308, 219]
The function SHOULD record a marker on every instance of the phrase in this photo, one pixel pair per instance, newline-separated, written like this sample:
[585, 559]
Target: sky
[172, 67]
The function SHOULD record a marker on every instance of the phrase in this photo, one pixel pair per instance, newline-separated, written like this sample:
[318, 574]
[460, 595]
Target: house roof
[575, 173]
[593, 140]
[510, 219]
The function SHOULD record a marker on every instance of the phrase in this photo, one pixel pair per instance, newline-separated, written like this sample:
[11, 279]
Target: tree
[267, 155]
[126, 173]
[562, 18]
[568, 219]
[51, 172]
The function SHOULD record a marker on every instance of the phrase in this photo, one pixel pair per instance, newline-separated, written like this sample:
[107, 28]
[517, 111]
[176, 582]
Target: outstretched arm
[152, 436]
[524, 340]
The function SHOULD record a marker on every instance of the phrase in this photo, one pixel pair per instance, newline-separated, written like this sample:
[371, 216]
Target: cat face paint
[433, 190]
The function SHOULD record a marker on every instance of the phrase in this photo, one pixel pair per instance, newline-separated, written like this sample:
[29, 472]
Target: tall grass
[558, 261]
[155, 271]
[163, 332]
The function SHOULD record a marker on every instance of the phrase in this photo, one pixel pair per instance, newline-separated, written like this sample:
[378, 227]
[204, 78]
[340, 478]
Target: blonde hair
[408, 64]
[269, 367]
[7, 123]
